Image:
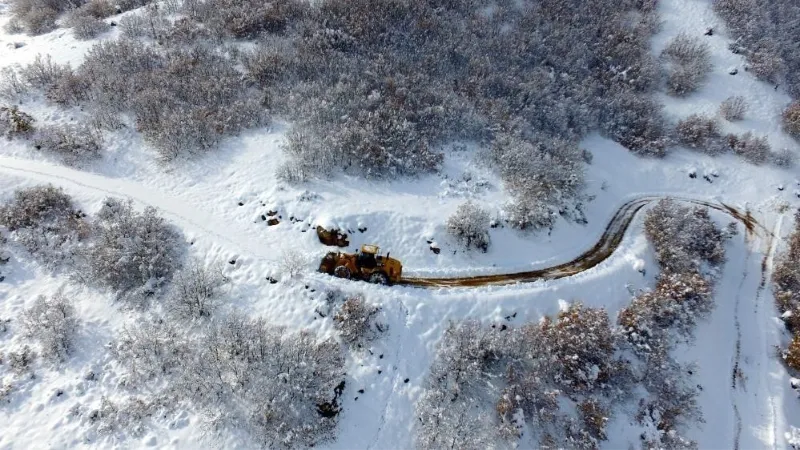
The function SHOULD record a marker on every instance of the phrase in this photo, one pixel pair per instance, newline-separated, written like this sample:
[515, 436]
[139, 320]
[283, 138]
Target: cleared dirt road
[605, 247]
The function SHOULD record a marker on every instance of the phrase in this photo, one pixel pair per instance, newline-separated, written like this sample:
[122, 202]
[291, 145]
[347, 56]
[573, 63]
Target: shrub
[683, 237]
[791, 119]
[470, 226]
[293, 263]
[355, 321]
[763, 30]
[73, 144]
[786, 275]
[689, 62]
[581, 346]
[195, 291]
[784, 158]
[150, 350]
[85, 26]
[15, 123]
[733, 108]
[544, 177]
[792, 355]
[12, 86]
[44, 220]
[699, 133]
[53, 323]
[672, 308]
[43, 73]
[134, 253]
[20, 361]
[281, 387]
[765, 61]
[755, 150]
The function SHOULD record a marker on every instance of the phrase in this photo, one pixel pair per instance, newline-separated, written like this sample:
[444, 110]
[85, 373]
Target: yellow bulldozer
[367, 265]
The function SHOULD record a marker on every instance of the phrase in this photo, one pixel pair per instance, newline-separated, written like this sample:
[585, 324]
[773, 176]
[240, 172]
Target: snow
[202, 197]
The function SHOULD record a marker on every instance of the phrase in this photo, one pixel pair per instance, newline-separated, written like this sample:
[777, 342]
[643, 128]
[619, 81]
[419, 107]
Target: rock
[406, 380]
[435, 250]
[781, 187]
[273, 222]
[333, 238]
[113, 24]
[795, 383]
[733, 71]
[241, 203]
[692, 173]
[709, 32]
[232, 262]
[263, 217]
[271, 213]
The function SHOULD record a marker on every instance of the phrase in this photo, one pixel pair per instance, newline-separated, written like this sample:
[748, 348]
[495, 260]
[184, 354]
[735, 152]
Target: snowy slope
[202, 197]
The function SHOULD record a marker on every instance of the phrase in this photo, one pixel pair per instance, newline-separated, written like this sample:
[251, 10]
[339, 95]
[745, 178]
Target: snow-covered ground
[203, 196]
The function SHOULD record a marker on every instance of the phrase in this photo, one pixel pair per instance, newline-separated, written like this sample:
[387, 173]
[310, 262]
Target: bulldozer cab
[370, 249]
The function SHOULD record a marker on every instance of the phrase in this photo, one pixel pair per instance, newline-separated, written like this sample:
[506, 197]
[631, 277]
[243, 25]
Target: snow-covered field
[218, 201]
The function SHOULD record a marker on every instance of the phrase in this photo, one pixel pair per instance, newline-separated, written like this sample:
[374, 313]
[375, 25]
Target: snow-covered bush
[784, 158]
[688, 63]
[86, 27]
[655, 318]
[683, 237]
[37, 16]
[470, 226]
[43, 73]
[488, 383]
[150, 349]
[786, 277]
[733, 108]
[792, 355]
[754, 149]
[21, 361]
[545, 177]
[764, 31]
[355, 321]
[74, 144]
[280, 387]
[765, 60]
[293, 262]
[184, 100]
[699, 133]
[133, 253]
[791, 119]
[53, 323]
[44, 220]
[15, 123]
[195, 290]
[449, 411]
[581, 347]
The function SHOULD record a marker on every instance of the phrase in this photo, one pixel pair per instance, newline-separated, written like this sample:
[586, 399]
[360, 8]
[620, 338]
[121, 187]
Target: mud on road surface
[605, 247]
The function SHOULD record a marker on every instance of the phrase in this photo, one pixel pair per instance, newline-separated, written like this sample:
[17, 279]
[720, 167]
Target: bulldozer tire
[379, 278]
[342, 272]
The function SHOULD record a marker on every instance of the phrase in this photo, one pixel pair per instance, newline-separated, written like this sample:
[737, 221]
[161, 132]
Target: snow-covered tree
[134, 253]
[470, 226]
[53, 323]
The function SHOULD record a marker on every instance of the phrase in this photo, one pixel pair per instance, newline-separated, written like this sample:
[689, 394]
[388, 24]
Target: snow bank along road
[185, 214]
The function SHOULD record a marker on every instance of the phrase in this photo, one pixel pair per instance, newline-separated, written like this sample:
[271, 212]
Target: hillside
[185, 320]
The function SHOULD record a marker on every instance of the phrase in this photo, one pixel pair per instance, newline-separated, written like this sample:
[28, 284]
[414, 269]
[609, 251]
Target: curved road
[608, 243]
[180, 211]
